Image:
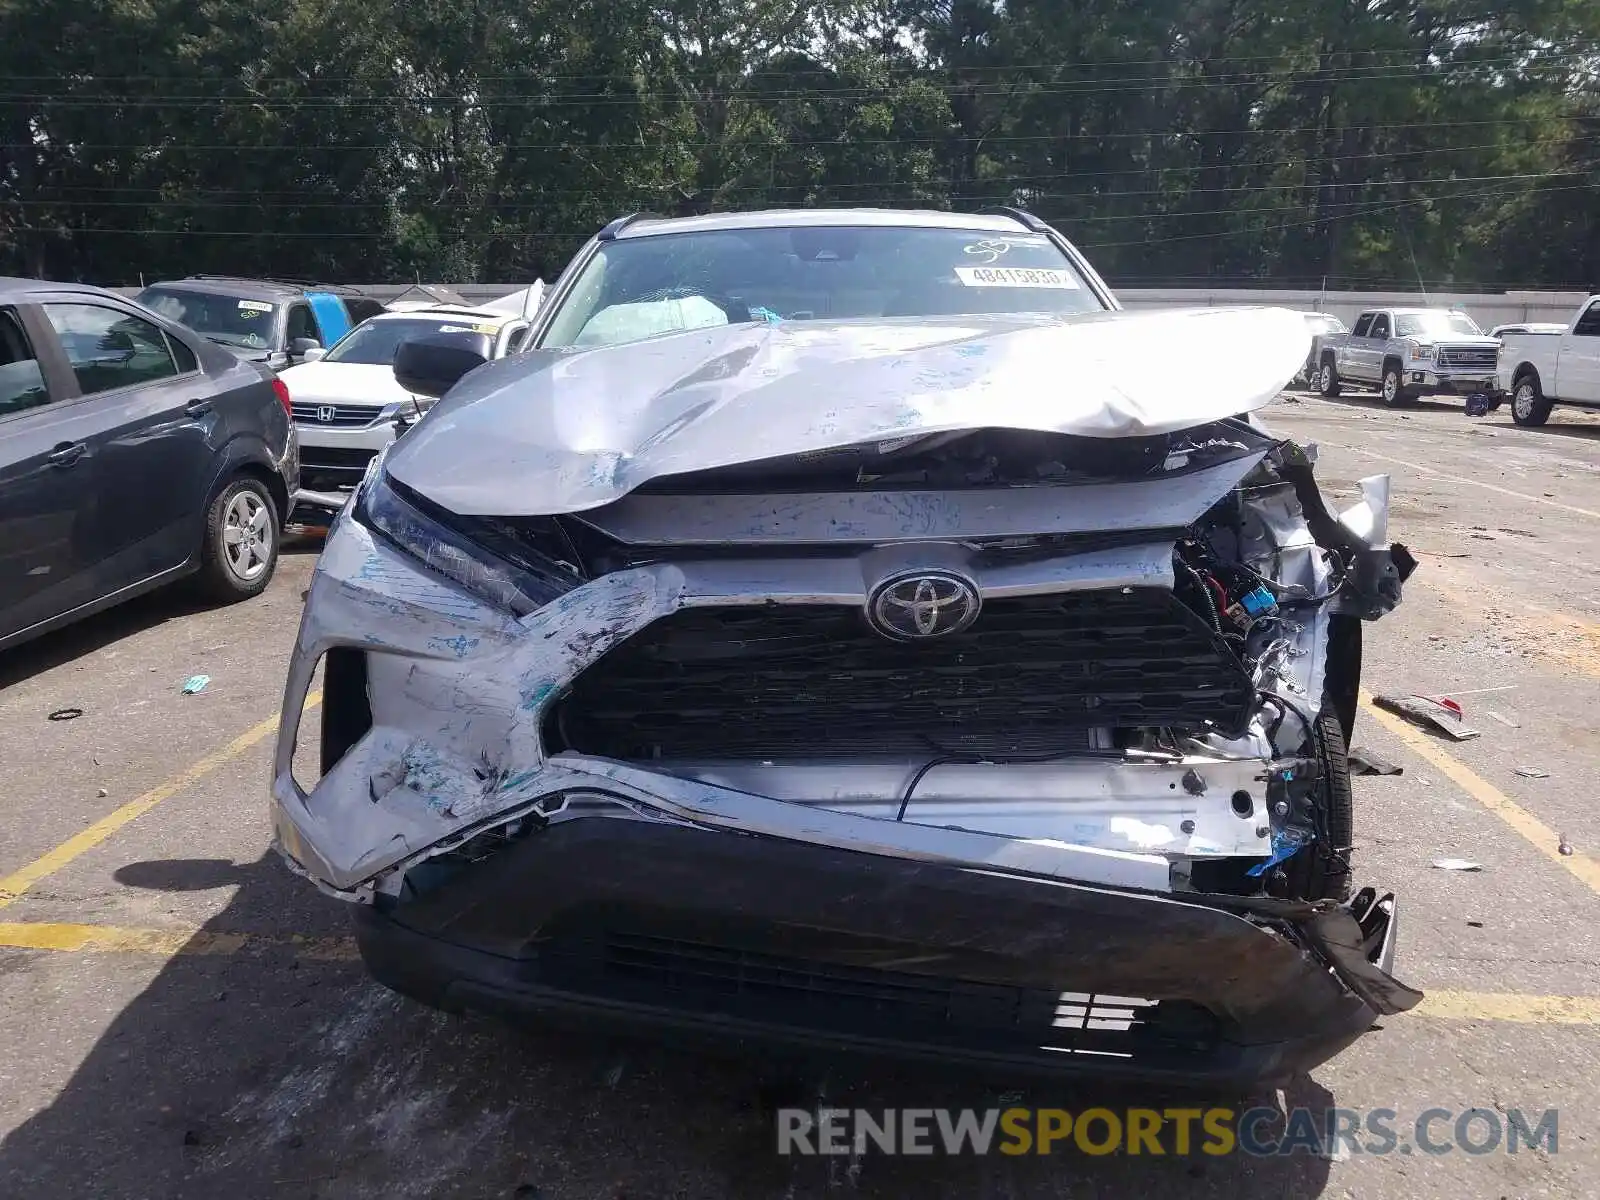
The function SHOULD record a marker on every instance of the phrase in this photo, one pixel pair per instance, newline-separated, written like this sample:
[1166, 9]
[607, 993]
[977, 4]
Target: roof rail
[1021, 215]
[610, 232]
[285, 281]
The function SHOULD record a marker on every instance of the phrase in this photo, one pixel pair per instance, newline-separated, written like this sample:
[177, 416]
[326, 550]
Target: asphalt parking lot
[180, 1017]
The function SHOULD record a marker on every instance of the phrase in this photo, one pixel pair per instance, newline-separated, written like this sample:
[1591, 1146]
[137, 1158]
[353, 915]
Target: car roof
[790, 218]
[11, 286]
[483, 316]
[234, 287]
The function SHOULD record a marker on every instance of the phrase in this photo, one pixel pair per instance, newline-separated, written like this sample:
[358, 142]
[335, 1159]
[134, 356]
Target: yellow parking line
[15, 884]
[1539, 835]
[1448, 1005]
[1510, 1006]
[164, 943]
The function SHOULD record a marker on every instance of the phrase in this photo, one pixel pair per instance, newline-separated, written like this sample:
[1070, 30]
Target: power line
[578, 235]
[1573, 50]
[753, 189]
[1184, 169]
[1030, 88]
[404, 145]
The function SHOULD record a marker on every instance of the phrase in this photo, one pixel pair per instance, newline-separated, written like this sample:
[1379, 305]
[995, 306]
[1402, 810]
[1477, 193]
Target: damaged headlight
[430, 535]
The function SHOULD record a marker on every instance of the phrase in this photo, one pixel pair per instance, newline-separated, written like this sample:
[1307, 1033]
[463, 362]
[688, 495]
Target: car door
[1578, 369]
[331, 318]
[1355, 346]
[47, 481]
[154, 438]
[1374, 346]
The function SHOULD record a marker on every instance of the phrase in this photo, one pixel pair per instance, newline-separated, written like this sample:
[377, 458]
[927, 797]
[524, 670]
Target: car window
[182, 355]
[638, 287]
[301, 324]
[110, 349]
[21, 382]
[1362, 325]
[374, 342]
[1436, 324]
[1588, 325]
[1380, 326]
[228, 320]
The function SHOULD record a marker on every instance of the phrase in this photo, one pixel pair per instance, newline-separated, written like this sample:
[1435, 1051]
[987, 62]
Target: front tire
[1528, 404]
[1328, 378]
[240, 552]
[1393, 386]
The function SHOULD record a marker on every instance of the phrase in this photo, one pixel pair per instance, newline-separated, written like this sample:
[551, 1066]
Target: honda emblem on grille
[926, 604]
[326, 413]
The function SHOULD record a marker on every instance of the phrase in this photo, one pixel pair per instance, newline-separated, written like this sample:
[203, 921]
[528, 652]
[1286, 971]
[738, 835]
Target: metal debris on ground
[1369, 762]
[1442, 714]
[195, 684]
[1564, 846]
[1506, 721]
[66, 714]
[1533, 773]
[1456, 864]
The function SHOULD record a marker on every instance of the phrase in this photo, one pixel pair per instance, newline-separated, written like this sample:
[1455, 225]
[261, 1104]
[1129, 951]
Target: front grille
[1028, 678]
[1468, 358]
[351, 460]
[344, 416]
[717, 977]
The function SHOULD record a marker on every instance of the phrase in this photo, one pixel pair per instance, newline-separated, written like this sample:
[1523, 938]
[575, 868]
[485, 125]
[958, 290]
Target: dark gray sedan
[132, 452]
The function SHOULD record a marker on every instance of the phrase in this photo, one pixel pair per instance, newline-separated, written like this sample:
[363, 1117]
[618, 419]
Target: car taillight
[281, 390]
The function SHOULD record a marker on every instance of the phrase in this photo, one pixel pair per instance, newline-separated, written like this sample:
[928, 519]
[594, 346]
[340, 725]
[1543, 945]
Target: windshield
[1321, 323]
[1434, 324]
[225, 319]
[375, 342]
[638, 287]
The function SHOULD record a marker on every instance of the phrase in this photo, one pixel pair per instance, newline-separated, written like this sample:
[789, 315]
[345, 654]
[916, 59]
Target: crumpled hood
[343, 383]
[547, 433]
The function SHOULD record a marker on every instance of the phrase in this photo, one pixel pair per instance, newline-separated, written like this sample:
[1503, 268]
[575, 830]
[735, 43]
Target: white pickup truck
[1541, 370]
[1407, 352]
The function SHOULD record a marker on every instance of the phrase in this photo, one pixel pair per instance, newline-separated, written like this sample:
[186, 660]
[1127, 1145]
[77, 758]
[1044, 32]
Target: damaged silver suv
[841, 631]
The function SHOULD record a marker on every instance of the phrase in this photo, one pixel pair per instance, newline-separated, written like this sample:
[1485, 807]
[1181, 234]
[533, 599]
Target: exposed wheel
[1528, 404]
[241, 541]
[1321, 871]
[1393, 389]
[1327, 378]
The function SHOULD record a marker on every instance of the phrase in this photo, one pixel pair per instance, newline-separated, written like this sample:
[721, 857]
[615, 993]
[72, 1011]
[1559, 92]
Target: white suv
[346, 402]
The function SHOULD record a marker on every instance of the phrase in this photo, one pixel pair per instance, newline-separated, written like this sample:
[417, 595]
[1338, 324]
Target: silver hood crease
[549, 433]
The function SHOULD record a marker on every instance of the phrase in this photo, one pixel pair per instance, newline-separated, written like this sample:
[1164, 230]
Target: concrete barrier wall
[1488, 310]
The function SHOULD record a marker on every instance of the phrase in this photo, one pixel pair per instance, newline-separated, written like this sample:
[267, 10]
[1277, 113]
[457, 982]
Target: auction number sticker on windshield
[1025, 277]
[254, 306]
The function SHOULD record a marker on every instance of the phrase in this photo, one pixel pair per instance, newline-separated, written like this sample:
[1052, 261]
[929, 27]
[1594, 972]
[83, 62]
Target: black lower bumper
[738, 939]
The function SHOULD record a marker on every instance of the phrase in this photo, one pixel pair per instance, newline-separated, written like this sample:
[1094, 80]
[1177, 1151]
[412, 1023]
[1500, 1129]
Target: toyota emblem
[326, 413]
[927, 604]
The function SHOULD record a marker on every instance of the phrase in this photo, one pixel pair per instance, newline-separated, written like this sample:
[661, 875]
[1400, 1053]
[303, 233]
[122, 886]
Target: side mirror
[312, 354]
[300, 347]
[431, 366]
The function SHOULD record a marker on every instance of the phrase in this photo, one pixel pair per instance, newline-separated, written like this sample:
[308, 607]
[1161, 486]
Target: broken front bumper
[711, 938]
[492, 875]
